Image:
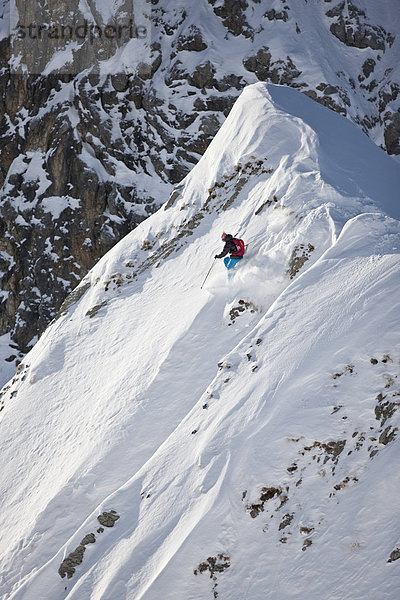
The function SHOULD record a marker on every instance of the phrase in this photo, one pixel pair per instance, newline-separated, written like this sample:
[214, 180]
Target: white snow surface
[164, 402]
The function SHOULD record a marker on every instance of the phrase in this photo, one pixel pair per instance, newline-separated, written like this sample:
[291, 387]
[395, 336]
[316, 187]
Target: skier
[234, 247]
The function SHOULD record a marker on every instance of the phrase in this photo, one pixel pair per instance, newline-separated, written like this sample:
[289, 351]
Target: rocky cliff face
[96, 129]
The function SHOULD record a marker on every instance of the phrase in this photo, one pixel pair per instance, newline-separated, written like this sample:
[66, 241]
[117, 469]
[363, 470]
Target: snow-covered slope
[94, 140]
[236, 440]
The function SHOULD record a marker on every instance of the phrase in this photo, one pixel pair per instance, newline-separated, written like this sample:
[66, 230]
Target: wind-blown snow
[239, 422]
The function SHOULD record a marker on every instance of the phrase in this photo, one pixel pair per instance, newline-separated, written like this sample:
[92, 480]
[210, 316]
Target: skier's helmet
[223, 236]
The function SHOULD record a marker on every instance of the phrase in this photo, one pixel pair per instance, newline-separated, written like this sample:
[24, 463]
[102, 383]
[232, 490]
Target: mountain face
[98, 123]
[235, 437]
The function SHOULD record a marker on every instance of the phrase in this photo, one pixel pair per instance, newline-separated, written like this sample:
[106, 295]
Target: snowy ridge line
[196, 415]
[215, 178]
[147, 125]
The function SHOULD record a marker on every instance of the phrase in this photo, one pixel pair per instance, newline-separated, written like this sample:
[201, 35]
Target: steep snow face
[170, 438]
[95, 139]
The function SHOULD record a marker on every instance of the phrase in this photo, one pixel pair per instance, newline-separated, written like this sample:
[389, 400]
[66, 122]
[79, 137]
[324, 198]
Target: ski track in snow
[176, 406]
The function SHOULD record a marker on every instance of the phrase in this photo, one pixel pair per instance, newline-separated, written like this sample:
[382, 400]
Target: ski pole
[209, 271]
